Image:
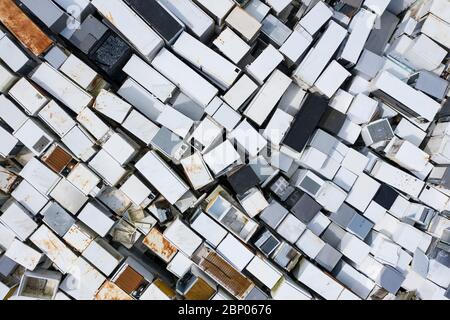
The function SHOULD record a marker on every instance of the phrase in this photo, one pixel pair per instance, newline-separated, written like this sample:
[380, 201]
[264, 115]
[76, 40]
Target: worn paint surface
[7, 180]
[54, 248]
[77, 238]
[23, 255]
[110, 291]
[83, 178]
[23, 28]
[115, 200]
[56, 115]
[156, 242]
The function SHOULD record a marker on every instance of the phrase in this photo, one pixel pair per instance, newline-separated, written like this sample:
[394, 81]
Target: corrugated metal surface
[23, 28]
[224, 273]
[58, 159]
[129, 280]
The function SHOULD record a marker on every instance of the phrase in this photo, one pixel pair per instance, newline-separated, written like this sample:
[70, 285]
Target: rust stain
[110, 291]
[76, 232]
[57, 117]
[110, 17]
[83, 183]
[23, 28]
[415, 9]
[100, 105]
[86, 119]
[97, 81]
[76, 77]
[50, 246]
[156, 242]
[194, 168]
[9, 181]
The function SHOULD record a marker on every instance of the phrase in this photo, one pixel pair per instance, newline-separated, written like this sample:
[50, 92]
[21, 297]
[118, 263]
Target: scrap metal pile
[224, 149]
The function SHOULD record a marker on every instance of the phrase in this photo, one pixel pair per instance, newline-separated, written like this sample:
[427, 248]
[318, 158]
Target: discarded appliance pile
[224, 149]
